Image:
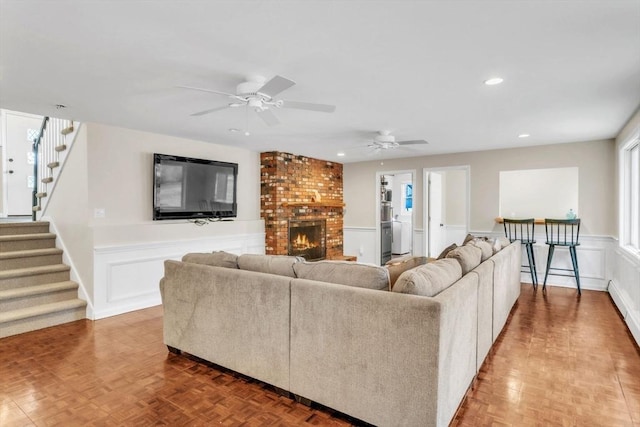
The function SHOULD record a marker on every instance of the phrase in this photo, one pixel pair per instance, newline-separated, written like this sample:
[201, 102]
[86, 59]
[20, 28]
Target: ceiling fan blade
[209, 90]
[413, 142]
[276, 85]
[324, 108]
[268, 117]
[211, 110]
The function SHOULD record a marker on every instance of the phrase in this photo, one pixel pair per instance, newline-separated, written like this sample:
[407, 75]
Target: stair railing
[47, 146]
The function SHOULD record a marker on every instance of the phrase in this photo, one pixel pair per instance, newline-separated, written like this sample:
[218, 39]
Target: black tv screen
[185, 188]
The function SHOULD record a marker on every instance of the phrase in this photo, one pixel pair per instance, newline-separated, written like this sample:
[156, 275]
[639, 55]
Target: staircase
[35, 290]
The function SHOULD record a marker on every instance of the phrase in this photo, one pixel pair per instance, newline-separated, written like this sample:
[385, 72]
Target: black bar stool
[563, 233]
[522, 229]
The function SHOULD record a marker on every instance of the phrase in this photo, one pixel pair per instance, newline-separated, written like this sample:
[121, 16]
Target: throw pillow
[429, 279]
[468, 256]
[484, 246]
[398, 266]
[446, 250]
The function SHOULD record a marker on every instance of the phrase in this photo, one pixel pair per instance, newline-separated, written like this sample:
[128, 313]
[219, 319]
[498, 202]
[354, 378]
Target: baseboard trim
[631, 316]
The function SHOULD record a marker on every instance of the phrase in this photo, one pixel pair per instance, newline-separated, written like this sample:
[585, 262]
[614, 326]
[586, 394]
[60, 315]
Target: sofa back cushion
[215, 259]
[430, 279]
[468, 256]
[484, 246]
[344, 273]
[281, 265]
[398, 266]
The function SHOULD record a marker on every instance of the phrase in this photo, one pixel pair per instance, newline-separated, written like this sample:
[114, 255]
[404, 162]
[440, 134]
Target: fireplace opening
[307, 239]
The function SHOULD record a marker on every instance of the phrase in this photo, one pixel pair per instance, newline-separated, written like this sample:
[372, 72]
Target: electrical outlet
[98, 213]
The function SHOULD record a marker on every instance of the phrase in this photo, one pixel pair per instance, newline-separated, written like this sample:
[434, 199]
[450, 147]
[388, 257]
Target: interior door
[435, 214]
[18, 167]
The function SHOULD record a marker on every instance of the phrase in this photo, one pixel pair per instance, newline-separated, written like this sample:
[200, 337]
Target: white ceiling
[571, 69]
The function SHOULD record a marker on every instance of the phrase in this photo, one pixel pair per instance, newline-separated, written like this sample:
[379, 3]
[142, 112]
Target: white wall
[595, 160]
[120, 257]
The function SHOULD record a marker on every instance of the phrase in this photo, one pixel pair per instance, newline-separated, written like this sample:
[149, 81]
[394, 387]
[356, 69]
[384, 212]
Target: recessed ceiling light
[234, 130]
[493, 81]
[341, 154]
[524, 135]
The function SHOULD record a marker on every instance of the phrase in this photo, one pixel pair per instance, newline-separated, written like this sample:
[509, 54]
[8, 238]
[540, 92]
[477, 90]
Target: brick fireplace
[303, 192]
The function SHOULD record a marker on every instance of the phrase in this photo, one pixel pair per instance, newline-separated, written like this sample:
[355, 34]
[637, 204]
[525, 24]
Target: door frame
[378, 205]
[425, 200]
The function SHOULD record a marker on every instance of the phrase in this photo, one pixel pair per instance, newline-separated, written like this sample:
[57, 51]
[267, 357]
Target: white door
[435, 214]
[18, 166]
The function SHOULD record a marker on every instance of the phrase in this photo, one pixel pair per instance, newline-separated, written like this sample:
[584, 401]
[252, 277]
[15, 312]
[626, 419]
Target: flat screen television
[187, 188]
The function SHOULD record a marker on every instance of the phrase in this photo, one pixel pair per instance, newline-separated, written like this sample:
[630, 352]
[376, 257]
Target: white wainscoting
[592, 262]
[361, 242]
[126, 277]
[625, 288]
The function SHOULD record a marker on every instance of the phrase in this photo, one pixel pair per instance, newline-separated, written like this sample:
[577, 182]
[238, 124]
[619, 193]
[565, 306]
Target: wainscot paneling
[126, 277]
[592, 262]
[625, 288]
[361, 242]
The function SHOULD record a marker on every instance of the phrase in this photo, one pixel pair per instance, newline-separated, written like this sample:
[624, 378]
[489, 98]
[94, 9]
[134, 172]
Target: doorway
[16, 182]
[394, 214]
[446, 210]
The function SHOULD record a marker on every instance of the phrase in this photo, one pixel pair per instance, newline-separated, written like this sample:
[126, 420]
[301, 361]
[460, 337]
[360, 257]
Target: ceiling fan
[385, 141]
[260, 96]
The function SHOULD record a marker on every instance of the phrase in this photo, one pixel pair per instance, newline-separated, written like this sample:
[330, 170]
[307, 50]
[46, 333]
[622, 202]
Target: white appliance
[401, 238]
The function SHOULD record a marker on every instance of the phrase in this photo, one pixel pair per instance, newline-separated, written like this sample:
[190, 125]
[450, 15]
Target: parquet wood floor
[560, 361]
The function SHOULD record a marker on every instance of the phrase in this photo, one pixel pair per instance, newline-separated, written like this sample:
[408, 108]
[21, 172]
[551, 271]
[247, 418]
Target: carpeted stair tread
[34, 236]
[14, 228]
[32, 271]
[27, 253]
[37, 289]
[39, 310]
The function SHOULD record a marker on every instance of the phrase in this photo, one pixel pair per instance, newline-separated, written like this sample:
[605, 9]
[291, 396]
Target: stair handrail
[36, 146]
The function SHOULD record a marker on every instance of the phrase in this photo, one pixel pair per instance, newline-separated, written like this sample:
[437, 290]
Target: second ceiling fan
[260, 96]
[383, 140]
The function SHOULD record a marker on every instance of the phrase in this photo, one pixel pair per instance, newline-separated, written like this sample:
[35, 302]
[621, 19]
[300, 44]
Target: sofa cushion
[468, 256]
[344, 273]
[215, 259]
[429, 279]
[399, 265]
[484, 246]
[282, 265]
[446, 250]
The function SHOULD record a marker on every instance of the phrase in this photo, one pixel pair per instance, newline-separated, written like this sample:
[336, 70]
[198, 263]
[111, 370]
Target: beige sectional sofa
[333, 333]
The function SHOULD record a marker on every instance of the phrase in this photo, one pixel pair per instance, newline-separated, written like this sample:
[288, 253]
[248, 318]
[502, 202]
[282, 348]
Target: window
[407, 197]
[630, 195]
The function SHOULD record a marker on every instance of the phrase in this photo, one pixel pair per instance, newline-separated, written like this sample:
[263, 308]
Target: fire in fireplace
[307, 239]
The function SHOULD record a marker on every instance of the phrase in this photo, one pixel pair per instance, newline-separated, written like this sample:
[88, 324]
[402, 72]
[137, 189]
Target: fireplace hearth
[307, 239]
